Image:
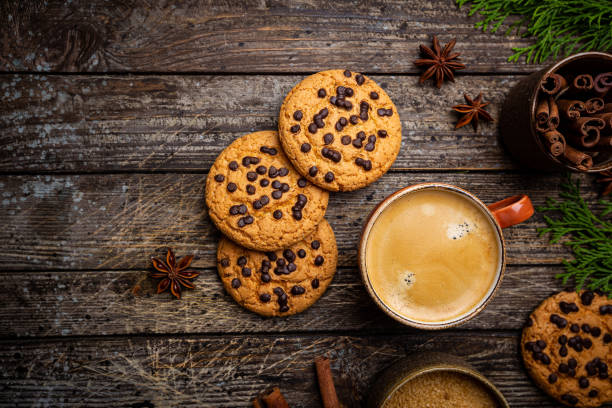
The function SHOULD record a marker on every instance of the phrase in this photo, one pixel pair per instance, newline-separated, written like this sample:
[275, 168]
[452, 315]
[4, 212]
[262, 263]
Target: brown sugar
[442, 390]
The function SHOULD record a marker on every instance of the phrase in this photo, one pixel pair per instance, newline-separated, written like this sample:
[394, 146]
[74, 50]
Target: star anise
[605, 177]
[173, 273]
[440, 62]
[472, 111]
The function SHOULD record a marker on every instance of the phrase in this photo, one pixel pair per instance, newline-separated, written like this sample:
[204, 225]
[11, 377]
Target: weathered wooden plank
[126, 123]
[117, 221]
[125, 302]
[245, 36]
[227, 371]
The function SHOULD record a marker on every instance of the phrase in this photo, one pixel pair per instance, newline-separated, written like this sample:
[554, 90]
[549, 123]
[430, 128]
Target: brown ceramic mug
[505, 213]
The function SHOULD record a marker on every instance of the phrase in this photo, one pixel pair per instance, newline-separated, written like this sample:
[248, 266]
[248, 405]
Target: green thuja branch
[588, 235]
[560, 27]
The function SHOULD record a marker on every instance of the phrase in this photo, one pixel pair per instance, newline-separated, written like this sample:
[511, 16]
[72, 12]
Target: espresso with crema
[432, 256]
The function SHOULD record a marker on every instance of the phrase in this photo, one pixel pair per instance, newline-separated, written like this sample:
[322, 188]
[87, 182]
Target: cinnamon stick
[542, 115]
[270, 399]
[571, 109]
[326, 383]
[553, 114]
[602, 83]
[607, 108]
[555, 142]
[588, 131]
[594, 105]
[552, 83]
[581, 160]
[605, 143]
[607, 118]
[582, 83]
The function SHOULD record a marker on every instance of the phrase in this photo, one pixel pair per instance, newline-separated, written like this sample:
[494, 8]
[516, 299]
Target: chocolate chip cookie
[340, 130]
[279, 283]
[256, 198]
[567, 347]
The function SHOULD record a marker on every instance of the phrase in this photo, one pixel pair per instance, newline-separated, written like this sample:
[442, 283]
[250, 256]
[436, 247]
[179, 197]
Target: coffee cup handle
[512, 210]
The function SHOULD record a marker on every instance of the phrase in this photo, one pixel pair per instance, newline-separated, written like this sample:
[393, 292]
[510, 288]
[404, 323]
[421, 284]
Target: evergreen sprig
[560, 27]
[588, 235]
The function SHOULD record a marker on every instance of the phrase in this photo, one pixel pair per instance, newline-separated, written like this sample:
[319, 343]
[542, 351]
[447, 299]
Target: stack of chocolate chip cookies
[268, 191]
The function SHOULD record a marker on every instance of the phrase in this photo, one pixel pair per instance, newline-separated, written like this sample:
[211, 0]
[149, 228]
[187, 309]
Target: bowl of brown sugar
[434, 380]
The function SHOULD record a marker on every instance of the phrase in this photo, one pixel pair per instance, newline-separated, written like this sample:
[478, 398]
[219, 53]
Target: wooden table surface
[112, 113]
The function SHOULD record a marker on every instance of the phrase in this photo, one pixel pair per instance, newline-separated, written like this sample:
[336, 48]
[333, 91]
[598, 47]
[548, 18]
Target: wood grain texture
[170, 123]
[118, 221]
[125, 302]
[227, 371]
[245, 36]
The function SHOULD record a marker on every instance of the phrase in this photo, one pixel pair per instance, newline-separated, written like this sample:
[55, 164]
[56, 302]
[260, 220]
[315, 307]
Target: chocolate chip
[298, 290]
[593, 393]
[563, 368]
[246, 161]
[360, 79]
[225, 262]
[264, 182]
[562, 339]
[257, 205]
[369, 147]
[529, 345]
[558, 321]
[389, 112]
[374, 95]
[315, 244]
[343, 121]
[572, 363]
[281, 262]
[231, 187]
[261, 170]
[328, 138]
[313, 171]
[251, 176]
[595, 331]
[319, 260]
[545, 359]
[302, 182]
[233, 165]
[283, 309]
[319, 122]
[586, 328]
[583, 382]
[296, 214]
[322, 93]
[271, 256]
[315, 283]
[605, 309]
[381, 112]
[278, 291]
[236, 283]
[219, 178]
[276, 184]
[607, 338]
[563, 351]
[265, 278]
[568, 308]
[250, 189]
[333, 100]
[272, 172]
[345, 140]
[284, 187]
[347, 73]
[305, 147]
[340, 90]
[268, 150]
[298, 115]
[354, 119]
[283, 171]
[570, 399]
[245, 221]
[591, 368]
[574, 328]
[265, 297]
[329, 177]
[312, 128]
[246, 272]
[587, 297]
[291, 267]
[289, 255]
[587, 343]
[301, 253]
[295, 128]
[357, 143]
[277, 194]
[541, 344]
[363, 115]
[382, 133]
[552, 378]
[338, 126]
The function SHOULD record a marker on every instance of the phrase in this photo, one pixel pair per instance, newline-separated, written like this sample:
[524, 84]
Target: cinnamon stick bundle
[594, 105]
[552, 83]
[542, 115]
[270, 399]
[587, 131]
[571, 109]
[326, 383]
[582, 83]
[580, 159]
[555, 142]
[553, 114]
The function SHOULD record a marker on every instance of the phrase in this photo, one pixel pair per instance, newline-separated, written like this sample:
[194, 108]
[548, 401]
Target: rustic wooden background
[113, 111]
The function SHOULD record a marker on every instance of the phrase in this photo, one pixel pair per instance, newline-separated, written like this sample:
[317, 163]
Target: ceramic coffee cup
[501, 214]
[409, 368]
